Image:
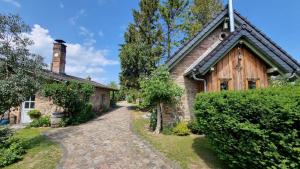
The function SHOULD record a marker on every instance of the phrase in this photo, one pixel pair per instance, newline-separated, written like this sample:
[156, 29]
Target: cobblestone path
[106, 143]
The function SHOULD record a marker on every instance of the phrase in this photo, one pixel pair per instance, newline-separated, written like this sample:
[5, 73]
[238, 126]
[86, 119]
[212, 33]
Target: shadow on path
[203, 149]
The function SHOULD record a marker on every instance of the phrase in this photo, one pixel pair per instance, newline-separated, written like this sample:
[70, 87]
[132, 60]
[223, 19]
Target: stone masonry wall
[96, 99]
[190, 86]
[47, 107]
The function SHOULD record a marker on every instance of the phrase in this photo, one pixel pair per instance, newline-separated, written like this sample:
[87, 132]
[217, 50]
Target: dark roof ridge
[265, 36]
[67, 77]
[197, 34]
[225, 43]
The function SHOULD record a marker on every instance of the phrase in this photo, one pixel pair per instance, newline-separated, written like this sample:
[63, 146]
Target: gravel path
[106, 143]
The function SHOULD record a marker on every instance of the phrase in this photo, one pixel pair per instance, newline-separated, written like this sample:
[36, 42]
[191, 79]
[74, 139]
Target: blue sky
[93, 29]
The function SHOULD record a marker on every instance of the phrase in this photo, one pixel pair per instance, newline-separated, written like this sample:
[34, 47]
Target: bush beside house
[253, 129]
[73, 97]
[159, 89]
[11, 149]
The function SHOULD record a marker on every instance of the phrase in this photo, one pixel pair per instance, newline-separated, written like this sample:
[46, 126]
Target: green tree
[172, 14]
[142, 49]
[20, 70]
[159, 89]
[200, 13]
[130, 59]
[72, 96]
[114, 95]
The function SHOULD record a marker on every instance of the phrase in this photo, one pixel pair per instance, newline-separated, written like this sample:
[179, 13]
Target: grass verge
[188, 151]
[42, 153]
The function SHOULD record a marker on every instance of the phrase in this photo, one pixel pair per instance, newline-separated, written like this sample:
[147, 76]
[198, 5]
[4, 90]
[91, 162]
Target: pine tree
[142, 50]
[171, 12]
[200, 13]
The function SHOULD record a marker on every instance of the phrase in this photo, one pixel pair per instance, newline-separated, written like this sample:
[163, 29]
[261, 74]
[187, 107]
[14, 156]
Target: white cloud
[61, 5]
[82, 60]
[88, 36]
[100, 33]
[13, 2]
[73, 20]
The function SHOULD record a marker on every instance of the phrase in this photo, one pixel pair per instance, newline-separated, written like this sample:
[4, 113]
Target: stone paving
[107, 143]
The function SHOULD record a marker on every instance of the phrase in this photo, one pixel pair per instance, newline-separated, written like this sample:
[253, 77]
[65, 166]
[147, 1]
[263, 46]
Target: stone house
[100, 99]
[229, 53]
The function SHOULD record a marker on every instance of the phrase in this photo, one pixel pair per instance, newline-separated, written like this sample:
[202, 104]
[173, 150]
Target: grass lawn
[188, 151]
[42, 152]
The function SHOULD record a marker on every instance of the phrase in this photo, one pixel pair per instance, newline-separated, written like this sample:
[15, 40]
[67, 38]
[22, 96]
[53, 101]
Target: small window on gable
[251, 84]
[224, 85]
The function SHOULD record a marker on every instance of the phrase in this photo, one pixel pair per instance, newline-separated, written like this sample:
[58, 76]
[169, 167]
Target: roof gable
[249, 38]
[187, 46]
[276, 53]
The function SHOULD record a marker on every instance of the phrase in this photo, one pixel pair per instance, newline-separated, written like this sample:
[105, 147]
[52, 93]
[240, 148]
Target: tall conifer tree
[200, 13]
[172, 13]
[142, 50]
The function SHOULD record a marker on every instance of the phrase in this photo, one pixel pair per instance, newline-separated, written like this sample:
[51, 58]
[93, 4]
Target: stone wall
[96, 99]
[47, 107]
[190, 86]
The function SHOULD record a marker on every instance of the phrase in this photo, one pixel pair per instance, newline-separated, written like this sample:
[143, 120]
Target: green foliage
[172, 14]
[194, 127]
[181, 129]
[34, 114]
[200, 12]
[153, 119]
[167, 131]
[105, 109]
[11, 149]
[43, 121]
[72, 96]
[86, 113]
[253, 129]
[142, 49]
[5, 134]
[132, 95]
[159, 88]
[20, 70]
[114, 95]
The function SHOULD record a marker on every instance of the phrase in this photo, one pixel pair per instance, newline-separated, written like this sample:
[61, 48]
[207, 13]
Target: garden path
[106, 143]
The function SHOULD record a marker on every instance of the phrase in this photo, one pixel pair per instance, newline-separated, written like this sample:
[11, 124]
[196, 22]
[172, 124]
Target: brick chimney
[59, 57]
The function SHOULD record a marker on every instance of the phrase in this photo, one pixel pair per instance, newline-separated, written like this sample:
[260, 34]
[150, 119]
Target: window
[251, 84]
[224, 85]
[29, 103]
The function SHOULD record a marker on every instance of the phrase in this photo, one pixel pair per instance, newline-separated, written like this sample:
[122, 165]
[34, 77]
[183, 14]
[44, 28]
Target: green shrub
[65, 122]
[153, 119]
[253, 129]
[71, 95]
[83, 116]
[11, 149]
[44, 121]
[5, 134]
[181, 129]
[167, 131]
[129, 98]
[34, 114]
[105, 109]
[12, 152]
[194, 127]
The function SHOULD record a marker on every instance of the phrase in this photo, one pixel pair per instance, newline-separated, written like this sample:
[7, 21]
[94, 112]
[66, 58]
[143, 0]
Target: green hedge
[255, 128]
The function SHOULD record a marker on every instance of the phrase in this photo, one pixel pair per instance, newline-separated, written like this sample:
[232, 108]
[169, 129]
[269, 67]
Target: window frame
[29, 102]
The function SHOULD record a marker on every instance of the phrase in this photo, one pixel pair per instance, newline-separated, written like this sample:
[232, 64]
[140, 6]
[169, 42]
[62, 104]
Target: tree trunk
[159, 119]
